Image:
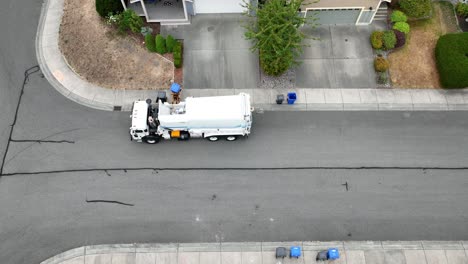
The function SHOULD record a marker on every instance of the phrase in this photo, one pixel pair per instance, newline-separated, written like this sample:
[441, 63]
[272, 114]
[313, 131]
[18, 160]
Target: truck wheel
[151, 140]
[231, 138]
[213, 138]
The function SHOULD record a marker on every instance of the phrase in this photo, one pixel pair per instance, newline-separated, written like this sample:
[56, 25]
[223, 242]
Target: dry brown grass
[414, 66]
[100, 56]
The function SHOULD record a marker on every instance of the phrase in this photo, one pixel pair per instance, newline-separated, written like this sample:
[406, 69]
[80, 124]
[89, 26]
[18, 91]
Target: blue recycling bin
[175, 88]
[292, 98]
[295, 252]
[333, 253]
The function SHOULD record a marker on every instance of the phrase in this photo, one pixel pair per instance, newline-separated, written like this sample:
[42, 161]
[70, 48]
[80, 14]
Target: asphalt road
[44, 213]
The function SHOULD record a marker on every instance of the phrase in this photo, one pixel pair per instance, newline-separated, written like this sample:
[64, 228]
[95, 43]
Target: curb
[253, 247]
[69, 84]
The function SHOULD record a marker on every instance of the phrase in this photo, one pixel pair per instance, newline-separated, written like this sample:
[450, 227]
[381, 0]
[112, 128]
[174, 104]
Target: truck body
[202, 117]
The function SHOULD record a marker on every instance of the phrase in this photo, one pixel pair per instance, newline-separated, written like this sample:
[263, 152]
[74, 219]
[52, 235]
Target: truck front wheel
[151, 139]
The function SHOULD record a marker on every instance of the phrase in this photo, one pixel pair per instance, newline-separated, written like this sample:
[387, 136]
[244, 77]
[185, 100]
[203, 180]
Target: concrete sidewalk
[351, 252]
[68, 83]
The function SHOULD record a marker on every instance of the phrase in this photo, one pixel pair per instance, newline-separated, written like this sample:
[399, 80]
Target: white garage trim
[218, 6]
[338, 8]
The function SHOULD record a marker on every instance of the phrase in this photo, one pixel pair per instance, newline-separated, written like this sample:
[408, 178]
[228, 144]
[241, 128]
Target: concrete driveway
[342, 58]
[216, 55]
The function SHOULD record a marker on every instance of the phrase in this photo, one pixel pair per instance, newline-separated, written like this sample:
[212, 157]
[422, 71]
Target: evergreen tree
[274, 28]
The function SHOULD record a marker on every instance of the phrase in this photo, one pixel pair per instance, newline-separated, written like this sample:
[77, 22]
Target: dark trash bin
[280, 98]
[281, 252]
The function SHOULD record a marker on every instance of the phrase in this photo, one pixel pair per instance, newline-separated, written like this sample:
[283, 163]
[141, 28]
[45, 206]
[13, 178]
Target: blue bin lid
[295, 251]
[333, 253]
[175, 88]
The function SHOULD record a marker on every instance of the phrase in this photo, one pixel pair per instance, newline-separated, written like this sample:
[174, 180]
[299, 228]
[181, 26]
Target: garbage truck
[212, 118]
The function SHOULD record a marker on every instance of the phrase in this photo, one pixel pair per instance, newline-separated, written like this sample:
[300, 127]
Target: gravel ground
[99, 55]
[287, 80]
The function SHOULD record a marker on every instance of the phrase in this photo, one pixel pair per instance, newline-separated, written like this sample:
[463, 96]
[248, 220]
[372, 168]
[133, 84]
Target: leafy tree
[275, 33]
[170, 43]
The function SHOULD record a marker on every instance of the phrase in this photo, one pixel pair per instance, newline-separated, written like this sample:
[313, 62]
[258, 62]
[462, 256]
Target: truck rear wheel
[213, 138]
[231, 138]
[151, 139]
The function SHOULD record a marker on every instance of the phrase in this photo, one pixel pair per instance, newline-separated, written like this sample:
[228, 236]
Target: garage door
[218, 6]
[335, 16]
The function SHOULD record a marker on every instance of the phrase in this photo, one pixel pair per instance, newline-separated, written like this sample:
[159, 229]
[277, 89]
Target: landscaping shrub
[178, 54]
[452, 60]
[376, 39]
[416, 8]
[160, 44]
[105, 7]
[170, 42]
[402, 27]
[381, 64]
[382, 78]
[462, 9]
[400, 38]
[128, 19]
[398, 16]
[389, 40]
[150, 42]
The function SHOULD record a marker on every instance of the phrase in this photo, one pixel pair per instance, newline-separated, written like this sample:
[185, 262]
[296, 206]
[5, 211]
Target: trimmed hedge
[150, 42]
[402, 27]
[170, 42]
[398, 16]
[400, 38]
[160, 44]
[381, 64]
[389, 40]
[452, 60]
[376, 39]
[416, 8]
[178, 54]
[105, 7]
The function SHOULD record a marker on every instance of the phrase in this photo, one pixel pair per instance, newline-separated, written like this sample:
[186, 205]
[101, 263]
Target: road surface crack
[109, 201]
[27, 73]
[43, 141]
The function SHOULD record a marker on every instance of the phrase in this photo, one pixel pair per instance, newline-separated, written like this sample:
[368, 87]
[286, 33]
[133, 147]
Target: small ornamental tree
[402, 27]
[376, 39]
[275, 33]
[398, 16]
[400, 38]
[381, 64]
[150, 42]
[389, 40]
[170, 43]
[160, 44]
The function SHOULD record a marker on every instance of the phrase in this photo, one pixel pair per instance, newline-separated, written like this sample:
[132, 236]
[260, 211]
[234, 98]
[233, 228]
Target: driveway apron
[216, 55]
[342, 57]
